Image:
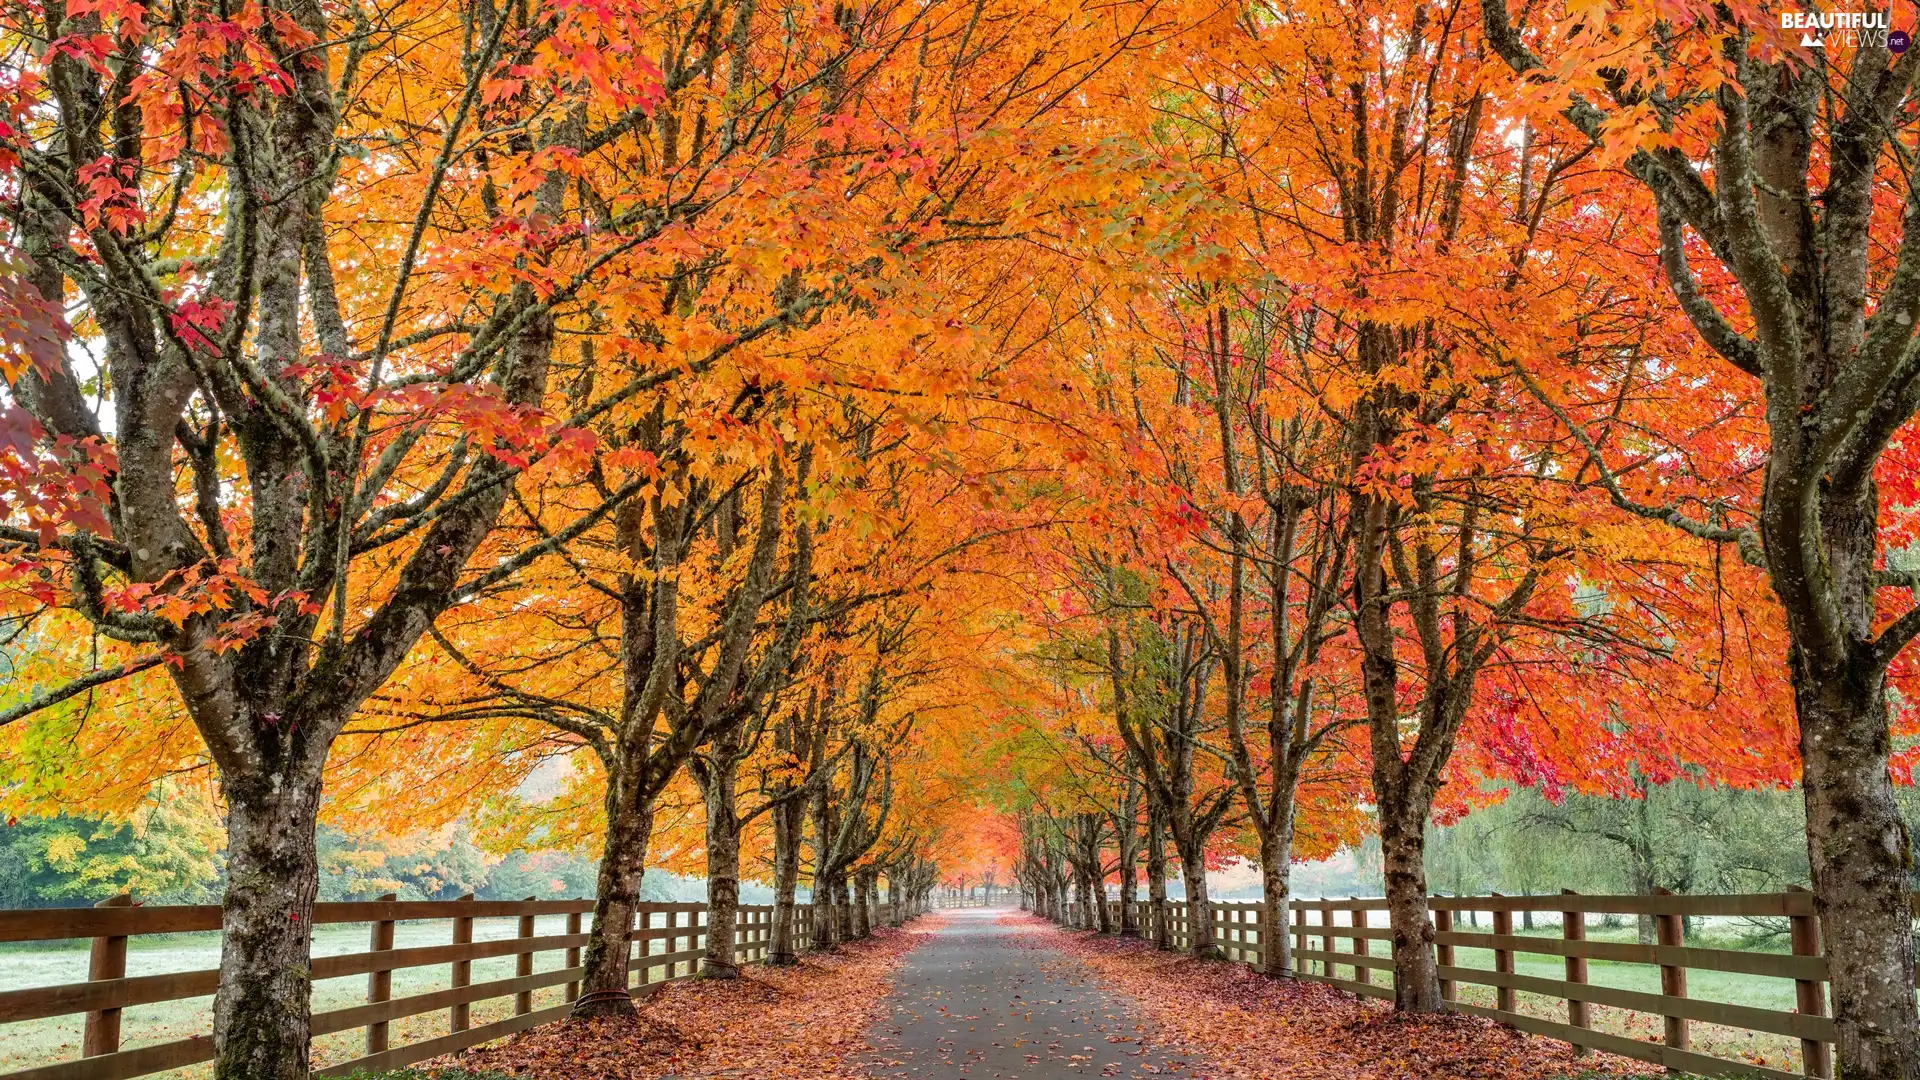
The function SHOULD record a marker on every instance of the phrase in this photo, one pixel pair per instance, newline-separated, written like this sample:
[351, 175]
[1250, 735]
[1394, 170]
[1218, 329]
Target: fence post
[573, 955]
[523, 966]
[458, 1015]
[1503, 958]
[1326, 943]
[106, 960]
[1573, 927]
[673, 943]
[644, 959]
[380, 980]
[1816, 1057]
[1443, 952]
[644, 946]
[643, 918]
[1670, 931]
[1361, 946]
[1296, 917]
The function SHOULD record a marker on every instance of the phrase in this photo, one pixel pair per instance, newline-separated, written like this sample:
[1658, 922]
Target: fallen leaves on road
[809, 1022]
[1251, 1027]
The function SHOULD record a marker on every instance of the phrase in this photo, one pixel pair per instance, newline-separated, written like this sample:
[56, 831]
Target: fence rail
[679, 930]
[1333, 943]
[999, 898]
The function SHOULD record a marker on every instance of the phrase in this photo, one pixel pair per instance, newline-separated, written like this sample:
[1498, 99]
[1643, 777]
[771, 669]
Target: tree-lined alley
[848, 447]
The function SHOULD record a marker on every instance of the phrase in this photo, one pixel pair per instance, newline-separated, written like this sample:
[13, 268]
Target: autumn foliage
[835, 445]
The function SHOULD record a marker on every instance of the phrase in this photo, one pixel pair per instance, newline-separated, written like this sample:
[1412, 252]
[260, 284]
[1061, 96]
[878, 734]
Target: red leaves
[113, 196]
[197, 320]
[47, 482]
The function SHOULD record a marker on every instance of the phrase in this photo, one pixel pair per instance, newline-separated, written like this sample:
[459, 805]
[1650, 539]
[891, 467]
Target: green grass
[41, 1042]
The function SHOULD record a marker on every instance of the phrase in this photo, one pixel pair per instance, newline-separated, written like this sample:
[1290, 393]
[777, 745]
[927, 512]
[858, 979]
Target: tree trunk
[623, 861]
[1129, 884]
[1157, 922]
[262, 1011]
[1416, 977]
[824, 938]
[1859, 851]
[1276, 865]
[1193, 874]
[862, 914]
[825, 929]
[718, 779]
[842, 909]
[788, 818]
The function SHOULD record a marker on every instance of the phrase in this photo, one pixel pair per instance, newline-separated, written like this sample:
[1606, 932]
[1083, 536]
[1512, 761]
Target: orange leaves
[198, 590]
[595, 51]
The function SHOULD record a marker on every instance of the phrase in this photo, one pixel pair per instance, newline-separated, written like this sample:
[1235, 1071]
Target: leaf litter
[1249, 1026]
[807, 1022]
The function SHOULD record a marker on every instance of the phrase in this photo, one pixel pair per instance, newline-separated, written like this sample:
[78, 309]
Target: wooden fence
[679, 930]
[968, 900]
[1333, 943]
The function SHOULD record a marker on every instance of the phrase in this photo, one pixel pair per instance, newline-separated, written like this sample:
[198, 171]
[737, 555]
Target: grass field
[41, 1042]
[1773, 1051]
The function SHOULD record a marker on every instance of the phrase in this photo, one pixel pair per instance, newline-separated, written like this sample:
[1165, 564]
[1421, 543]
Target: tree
[678, 682]
[1780, 166]
[1302, 559]
[1162, 719]
[342, 442]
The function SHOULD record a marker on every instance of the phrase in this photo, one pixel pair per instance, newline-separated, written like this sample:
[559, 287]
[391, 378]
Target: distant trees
[168, 852]
[1679, 835]
[171, 851]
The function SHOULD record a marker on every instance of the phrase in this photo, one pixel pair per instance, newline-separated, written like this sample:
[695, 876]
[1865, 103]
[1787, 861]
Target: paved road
[980, 1000]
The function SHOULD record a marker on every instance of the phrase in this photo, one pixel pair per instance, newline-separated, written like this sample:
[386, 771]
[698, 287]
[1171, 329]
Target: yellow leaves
[63, 851]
